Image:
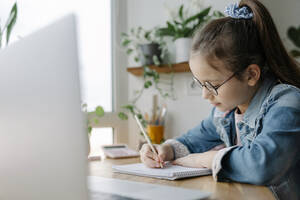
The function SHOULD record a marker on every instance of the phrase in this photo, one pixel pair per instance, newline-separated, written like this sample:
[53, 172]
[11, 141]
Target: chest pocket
[247, 133]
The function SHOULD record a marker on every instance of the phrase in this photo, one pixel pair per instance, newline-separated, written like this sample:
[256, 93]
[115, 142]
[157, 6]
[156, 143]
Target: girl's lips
[215, 104]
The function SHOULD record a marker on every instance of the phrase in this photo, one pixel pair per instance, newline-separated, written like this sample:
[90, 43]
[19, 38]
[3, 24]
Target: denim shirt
[270, 138]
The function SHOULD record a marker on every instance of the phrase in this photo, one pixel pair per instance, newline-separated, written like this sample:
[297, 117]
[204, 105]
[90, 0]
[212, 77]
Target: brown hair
[237, 43]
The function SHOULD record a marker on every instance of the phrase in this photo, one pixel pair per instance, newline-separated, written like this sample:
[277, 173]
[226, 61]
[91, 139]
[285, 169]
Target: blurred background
[119, 76]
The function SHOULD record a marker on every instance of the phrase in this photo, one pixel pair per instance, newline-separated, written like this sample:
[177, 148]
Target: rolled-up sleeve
[201, 138]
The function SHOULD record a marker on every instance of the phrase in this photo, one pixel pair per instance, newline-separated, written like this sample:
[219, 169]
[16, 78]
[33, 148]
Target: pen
[146, 137]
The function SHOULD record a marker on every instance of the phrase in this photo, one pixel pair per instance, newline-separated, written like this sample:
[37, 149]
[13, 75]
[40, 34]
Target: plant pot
[156, 133]
[182, 49]
[148, 51]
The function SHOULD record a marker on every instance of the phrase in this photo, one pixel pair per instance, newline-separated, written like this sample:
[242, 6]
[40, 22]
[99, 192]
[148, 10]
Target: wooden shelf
[177, 68]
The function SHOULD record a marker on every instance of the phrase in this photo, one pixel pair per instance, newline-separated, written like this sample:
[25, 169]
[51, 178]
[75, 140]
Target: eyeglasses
[211, 88]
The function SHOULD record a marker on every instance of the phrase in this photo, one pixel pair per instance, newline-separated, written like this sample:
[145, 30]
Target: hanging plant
[98, 112]
[133, 43]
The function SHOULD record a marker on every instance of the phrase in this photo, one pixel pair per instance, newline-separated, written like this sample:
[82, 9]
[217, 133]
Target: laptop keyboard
[97, 195]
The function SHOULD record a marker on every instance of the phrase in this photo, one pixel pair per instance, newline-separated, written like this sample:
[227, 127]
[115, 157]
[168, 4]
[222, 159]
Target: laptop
[43, 137]
[42, 131]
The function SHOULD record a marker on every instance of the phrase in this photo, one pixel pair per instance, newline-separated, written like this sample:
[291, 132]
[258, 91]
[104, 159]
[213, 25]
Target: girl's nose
[206, 94]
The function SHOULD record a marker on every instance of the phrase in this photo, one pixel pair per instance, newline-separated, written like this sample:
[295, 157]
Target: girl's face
[233, 93]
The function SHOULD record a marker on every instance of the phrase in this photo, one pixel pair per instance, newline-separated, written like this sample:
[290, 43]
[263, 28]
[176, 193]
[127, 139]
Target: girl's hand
[197, 160]
[150, 159]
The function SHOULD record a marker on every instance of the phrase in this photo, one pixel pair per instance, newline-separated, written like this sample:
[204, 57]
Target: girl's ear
[253, 74]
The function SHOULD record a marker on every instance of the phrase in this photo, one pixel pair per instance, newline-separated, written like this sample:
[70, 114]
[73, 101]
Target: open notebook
[170, 172]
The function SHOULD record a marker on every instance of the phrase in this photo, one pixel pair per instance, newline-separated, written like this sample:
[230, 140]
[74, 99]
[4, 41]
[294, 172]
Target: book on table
[170, 172]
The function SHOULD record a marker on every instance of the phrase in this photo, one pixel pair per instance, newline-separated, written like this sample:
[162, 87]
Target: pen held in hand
[147, 137]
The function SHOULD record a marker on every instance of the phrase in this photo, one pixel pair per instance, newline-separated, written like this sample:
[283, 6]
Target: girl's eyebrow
[212, 80]
[207, 80]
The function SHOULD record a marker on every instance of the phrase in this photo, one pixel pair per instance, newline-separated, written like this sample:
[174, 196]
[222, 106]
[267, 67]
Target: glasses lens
[211, 88]
[197, 82]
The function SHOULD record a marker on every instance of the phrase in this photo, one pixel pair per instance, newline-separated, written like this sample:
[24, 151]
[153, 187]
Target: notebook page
[168, 172]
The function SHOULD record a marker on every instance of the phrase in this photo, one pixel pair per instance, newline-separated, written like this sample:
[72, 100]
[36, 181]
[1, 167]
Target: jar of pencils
[156, 133]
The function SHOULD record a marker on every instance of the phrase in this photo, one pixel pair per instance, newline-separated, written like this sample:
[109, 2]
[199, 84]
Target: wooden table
[219, 190]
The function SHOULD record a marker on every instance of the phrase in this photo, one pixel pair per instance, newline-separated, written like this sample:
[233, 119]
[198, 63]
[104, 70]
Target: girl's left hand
[197, 160]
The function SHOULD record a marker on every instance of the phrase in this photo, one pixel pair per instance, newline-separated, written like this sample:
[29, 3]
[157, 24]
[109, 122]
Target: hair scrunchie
[233, 11]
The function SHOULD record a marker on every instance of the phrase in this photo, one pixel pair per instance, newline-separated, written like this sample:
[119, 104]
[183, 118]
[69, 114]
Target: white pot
[183, 47]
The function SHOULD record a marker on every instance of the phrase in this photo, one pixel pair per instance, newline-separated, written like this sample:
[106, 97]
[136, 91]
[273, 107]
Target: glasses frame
[208, 85]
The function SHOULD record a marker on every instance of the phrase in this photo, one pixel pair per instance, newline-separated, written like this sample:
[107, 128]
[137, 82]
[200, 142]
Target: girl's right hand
[150, 159]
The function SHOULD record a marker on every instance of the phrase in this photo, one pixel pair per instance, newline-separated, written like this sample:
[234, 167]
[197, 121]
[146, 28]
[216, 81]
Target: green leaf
[99, 111]
[96, 121]
[156, 77]
[294, 35]
[177, 23]
[146, 70]
[147, 35]
[136, 59]
[124, 34]
[165, 32]
[140, 116]
[147, 84]
[129, 51]
[187, 32]
[170, 30]
[123, 116]
[171, 27]
[180, 12]
[11, 21]
[129, 107]
[90, 130]
[155, 60]
[218, 14]
[295, 53]
[141, 133]
[199, 16]
[126, 42]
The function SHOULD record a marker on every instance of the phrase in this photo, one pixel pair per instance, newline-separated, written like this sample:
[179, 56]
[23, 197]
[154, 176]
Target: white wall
[187, 111]
[285, 14]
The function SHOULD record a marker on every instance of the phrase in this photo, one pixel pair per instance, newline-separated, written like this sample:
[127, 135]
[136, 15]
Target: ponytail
[281, 64]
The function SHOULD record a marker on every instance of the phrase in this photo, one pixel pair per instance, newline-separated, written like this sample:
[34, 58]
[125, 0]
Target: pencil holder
[156, 133]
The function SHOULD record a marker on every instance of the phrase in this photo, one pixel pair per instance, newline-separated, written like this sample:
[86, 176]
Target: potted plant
[145, 46]
[148, 48]
[182, 27]
[9, 25]
[294, 35]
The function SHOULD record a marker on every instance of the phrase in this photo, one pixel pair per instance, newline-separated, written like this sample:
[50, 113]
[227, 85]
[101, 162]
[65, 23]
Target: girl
[253, 132]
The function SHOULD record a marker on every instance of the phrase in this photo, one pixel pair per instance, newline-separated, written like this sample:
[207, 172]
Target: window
[94, 30]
